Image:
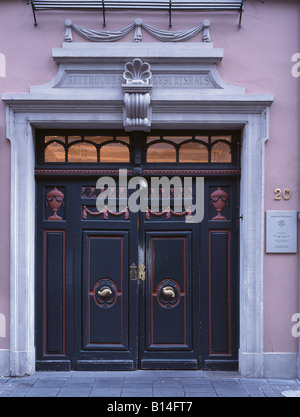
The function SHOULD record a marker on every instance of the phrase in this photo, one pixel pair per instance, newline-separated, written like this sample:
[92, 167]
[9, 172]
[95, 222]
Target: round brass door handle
[168, 292]
[104, 292]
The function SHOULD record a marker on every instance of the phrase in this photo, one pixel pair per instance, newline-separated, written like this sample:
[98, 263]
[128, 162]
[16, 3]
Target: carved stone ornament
[137, 90]
[137, 25]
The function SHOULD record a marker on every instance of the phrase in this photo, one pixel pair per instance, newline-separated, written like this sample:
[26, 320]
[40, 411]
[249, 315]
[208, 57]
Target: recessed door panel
[219, 292]
[105, 290]
[54, 292]
[168, 296]
[169, 338]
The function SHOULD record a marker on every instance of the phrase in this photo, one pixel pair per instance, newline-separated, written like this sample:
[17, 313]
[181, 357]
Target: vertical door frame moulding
[212, 104]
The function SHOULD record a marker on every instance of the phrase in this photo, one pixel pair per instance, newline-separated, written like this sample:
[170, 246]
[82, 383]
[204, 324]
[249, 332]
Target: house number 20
[286, 194]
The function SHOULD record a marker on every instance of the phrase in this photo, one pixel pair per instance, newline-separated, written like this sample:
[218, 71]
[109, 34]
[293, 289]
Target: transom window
[189, 149]
[156, 148]
[86, 149]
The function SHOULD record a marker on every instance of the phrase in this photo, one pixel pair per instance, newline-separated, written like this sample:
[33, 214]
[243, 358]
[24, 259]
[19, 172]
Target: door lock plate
[133, 272]
[142, 273]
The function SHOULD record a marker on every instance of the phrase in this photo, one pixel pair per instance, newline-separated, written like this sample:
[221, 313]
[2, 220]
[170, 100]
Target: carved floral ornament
[137, 72]
[137, 90]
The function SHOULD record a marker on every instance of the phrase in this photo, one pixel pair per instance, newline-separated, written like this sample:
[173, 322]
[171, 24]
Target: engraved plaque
[281, 231]
[200, 80]
[90, 79]
[102, 79]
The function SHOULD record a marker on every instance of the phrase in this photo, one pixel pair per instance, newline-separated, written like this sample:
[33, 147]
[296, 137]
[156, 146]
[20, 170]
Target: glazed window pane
[161, 152]
[55, 152]
[193, 152]
[56, 138]
[221, 137]
[82, 152]
[114, 152]
[98, 139]
[177, 139]
[221, 152]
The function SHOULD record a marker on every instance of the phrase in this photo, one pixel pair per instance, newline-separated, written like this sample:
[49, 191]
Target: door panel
[54, 295]
[92, 314]
[105, 290]
[54, 272]
[169, 276]
[219, 292]
[106, 298]
[170, 337]
[219, 268]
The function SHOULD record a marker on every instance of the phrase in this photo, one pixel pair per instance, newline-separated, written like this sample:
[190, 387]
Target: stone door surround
[186, 93]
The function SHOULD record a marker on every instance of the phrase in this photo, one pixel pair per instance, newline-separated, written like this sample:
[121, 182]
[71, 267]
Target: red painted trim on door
[181, 294]
[91, 293]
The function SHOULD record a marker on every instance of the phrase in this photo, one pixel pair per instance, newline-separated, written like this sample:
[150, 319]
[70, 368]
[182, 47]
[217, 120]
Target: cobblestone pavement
[145, 384]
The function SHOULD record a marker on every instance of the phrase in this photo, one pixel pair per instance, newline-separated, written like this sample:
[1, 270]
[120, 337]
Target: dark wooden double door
[118, 290]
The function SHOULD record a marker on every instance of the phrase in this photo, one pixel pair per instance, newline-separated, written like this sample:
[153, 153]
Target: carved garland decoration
[137, 25]
[168, 213]
[105, 213]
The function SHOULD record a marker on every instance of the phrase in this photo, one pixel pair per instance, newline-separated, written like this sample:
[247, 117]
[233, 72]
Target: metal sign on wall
[281, 231]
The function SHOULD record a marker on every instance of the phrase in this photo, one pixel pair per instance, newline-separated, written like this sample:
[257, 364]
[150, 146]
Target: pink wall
[257, 56]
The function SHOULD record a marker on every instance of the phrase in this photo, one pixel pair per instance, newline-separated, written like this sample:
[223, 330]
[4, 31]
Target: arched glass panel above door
[221, 152]
[82, 152]
[114, 152]
[75, 149]
[190, 149]
[161, 152]
[157, 148]
[193, 152]
[55, 152]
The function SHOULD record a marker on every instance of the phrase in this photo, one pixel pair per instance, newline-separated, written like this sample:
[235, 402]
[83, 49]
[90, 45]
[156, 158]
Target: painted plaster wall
[257, 56]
